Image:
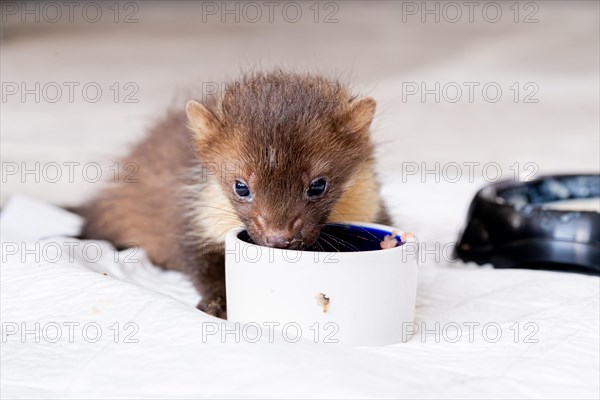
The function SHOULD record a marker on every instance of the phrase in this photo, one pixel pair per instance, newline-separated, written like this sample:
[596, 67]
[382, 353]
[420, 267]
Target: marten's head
[290, 152]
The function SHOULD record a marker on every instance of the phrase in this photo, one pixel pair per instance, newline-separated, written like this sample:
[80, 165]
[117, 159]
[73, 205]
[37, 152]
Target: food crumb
[390, 241]
[406, 235]
[322, 300]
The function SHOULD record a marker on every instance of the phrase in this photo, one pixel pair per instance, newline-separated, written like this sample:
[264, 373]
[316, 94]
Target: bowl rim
[490, 194]
[232, 236]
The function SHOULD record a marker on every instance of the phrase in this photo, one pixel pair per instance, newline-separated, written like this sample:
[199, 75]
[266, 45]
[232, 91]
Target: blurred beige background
[169, 50]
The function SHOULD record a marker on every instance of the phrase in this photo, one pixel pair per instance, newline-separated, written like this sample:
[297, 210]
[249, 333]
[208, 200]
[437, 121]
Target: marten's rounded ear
[362, 113]
[201, 121]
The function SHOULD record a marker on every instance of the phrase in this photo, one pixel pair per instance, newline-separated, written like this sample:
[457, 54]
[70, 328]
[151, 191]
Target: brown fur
[276, 131]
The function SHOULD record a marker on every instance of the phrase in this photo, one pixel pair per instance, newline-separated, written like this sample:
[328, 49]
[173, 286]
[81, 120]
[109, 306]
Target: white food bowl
[364, 297]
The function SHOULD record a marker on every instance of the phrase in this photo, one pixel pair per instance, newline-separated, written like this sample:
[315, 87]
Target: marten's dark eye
[242, 190]
[317, 188]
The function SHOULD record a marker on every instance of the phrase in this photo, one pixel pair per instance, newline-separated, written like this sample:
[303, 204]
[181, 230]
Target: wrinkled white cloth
[80, 320]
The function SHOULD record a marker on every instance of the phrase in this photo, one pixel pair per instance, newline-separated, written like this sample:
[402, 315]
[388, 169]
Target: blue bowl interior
[343, 238]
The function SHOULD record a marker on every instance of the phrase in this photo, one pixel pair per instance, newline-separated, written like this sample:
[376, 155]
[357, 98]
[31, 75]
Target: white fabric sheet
[548, 325]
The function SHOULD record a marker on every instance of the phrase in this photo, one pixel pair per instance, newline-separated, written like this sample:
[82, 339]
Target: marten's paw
[214, 306]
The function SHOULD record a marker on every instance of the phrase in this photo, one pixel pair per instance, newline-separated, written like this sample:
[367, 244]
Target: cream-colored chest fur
[212, 213]
[360, 201]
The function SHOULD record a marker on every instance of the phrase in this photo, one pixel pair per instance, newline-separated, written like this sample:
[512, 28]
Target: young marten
[279, 153]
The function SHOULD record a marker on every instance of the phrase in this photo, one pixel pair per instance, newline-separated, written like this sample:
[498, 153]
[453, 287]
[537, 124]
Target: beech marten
[279, 153]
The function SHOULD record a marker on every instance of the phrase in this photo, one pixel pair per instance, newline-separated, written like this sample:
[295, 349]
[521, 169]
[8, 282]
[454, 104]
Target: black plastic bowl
[508, 226]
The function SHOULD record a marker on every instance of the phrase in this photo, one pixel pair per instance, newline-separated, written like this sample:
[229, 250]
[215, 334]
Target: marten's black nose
[278, 241]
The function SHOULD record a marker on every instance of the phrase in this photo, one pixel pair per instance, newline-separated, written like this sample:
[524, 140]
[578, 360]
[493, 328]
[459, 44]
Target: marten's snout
[278, 240]
[282, 238]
